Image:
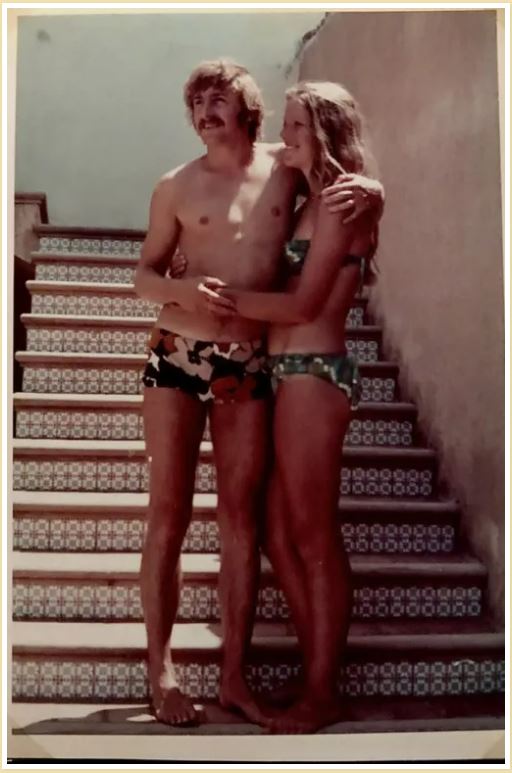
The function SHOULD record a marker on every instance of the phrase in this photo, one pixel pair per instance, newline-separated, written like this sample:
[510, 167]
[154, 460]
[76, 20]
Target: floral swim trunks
[226, 372]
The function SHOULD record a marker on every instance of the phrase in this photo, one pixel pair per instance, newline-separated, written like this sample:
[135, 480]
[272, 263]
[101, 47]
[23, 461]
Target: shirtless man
[230, 212]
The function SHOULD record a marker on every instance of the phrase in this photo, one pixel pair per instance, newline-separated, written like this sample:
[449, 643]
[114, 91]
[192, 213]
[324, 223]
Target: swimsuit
[340, 370]
[297, 249]
[223, 372]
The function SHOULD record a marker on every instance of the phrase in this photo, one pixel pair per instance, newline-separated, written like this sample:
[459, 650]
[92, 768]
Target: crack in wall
[303, 42]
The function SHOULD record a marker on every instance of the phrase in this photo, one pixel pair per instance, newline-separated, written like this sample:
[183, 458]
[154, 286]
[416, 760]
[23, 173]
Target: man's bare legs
[173, 428]
[240, 434]
[311, 418]
[289, 571]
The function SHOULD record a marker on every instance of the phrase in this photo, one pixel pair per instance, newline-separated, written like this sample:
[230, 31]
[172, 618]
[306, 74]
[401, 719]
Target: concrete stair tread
[110, 359]
[89, 502]
[51, 446]
[35, 319]
[432, 635]
[62, 400]
[362, 715]
[38, 285]
[110, 565]
[77, 257]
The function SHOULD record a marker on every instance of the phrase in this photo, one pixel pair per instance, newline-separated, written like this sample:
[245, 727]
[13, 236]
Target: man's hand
[200, 294]
[354, 195]
[178, 265]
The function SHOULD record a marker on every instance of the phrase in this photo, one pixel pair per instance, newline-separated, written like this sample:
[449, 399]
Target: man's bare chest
[239, 210]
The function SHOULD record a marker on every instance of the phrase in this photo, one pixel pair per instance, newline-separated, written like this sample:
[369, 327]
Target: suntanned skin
[230, 210]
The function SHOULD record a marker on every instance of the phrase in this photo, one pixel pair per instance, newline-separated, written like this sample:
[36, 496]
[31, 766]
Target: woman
[317, 386]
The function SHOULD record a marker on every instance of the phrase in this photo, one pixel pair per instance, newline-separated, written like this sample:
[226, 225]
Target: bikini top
[297, 249]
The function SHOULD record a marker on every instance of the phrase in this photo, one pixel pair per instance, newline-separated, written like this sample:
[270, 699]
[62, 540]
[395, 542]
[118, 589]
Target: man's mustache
[204, 122]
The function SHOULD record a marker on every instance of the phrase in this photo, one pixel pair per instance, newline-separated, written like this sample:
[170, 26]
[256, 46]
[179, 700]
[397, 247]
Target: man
[230, 212]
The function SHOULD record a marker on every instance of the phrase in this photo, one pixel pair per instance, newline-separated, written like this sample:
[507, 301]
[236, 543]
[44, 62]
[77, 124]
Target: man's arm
[159, 245]
[151, 283]
[330, 243]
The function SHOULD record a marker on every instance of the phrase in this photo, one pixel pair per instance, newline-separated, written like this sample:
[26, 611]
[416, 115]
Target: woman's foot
[287, 694]
[307, 716]
[237, 697]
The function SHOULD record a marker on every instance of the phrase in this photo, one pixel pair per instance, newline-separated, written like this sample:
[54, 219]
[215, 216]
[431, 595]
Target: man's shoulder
[180, 173]
[171, 182]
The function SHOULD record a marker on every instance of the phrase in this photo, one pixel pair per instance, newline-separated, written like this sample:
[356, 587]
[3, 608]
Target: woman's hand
[222, 301]
[354, 195]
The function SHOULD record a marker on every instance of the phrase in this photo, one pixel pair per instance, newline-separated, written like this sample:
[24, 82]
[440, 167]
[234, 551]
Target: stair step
[66, 372]
[116, 299]
[106, 586]
[125, 335]
[86, 521]
[361, 715]
[112, 242]
[119, 417]
[120, 465]
[101, 661]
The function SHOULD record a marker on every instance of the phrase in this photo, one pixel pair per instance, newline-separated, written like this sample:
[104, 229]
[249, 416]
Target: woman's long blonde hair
[337, 127]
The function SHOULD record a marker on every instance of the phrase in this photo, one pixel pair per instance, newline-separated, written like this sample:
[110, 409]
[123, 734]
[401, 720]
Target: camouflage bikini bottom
[223, 372]
[340, 370]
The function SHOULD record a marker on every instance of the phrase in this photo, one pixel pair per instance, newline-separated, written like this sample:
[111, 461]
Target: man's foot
[172, 707]
[235, 696]
[307, 716]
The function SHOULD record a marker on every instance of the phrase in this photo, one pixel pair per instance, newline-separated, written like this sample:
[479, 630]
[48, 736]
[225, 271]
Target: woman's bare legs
[311, 418]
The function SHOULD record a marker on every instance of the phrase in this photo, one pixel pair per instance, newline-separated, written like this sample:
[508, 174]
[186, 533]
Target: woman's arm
[330, 243]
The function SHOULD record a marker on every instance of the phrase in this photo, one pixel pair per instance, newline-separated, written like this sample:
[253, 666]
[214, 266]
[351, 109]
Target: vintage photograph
[258, 382]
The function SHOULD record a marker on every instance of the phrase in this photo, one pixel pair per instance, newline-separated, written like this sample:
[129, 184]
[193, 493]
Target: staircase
[422, 648]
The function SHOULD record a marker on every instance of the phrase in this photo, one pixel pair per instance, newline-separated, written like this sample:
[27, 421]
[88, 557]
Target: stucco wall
[99, 107]
[427, 83]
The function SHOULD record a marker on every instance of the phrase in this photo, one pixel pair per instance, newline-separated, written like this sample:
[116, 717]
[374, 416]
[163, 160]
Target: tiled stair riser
[115, 600]
[76, 245]
[128, 425]
[109, 534]
[121, 304]
[126, 380]
[414, 479]
[50, 271]
[106, 340]
[109, 679]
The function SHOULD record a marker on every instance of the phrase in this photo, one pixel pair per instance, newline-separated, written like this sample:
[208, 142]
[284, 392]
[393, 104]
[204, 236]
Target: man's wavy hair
[226, 74]
[337, 127]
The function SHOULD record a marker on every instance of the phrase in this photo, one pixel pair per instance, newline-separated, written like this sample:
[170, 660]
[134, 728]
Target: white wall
[427, 82]
[99, 106]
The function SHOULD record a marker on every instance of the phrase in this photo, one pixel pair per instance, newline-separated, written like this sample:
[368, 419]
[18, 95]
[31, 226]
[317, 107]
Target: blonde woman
[327, 260]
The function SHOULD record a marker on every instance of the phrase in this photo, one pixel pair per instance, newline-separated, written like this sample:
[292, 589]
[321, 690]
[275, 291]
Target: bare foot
[307, 716]
[236, 696]
[172, 707]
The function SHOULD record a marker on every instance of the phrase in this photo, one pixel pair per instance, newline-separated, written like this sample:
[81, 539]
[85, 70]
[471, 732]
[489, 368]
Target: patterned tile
[200, 602]
[96, 246]
[105, 304]
[384, 482]
[97, 680]
[126, 534]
